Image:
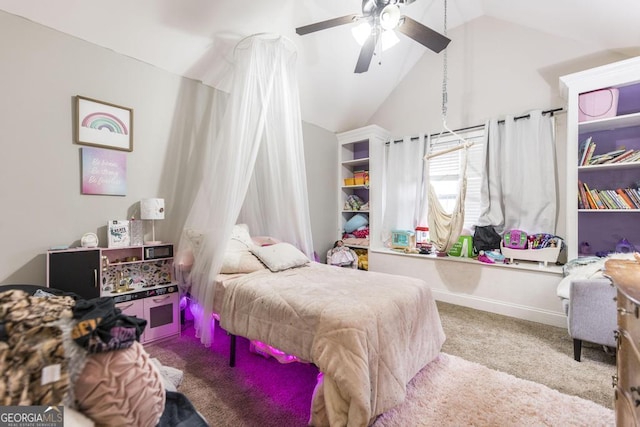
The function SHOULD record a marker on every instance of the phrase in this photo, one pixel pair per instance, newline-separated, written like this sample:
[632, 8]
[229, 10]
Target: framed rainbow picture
[101, 124]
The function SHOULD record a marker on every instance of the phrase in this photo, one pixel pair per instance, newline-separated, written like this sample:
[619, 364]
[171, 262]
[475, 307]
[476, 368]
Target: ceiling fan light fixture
[379, 21]
[389, 17]
[361, 32]
[389, 39]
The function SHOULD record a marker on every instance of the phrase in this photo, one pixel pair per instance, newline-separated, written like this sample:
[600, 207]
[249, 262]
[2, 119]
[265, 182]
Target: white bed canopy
[255, 172]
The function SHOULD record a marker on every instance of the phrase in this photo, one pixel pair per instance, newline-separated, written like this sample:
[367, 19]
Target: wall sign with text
[104, 172]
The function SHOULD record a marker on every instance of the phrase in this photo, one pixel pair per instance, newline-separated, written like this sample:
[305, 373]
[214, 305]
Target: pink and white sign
[104, 172]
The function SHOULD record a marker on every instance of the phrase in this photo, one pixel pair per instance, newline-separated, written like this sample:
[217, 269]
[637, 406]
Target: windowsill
[517, 264]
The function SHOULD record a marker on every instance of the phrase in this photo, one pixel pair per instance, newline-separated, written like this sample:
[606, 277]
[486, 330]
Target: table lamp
[152, 209]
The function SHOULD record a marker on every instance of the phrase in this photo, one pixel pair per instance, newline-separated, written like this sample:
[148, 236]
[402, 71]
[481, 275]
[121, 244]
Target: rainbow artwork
[105, 121]
[104, 125]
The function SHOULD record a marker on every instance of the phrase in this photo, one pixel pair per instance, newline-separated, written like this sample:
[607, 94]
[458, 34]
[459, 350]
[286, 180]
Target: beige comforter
[368, 333]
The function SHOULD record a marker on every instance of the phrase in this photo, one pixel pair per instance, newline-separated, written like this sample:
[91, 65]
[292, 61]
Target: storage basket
[544, 255]
[598, 104]
[349, 181]
[361, 177]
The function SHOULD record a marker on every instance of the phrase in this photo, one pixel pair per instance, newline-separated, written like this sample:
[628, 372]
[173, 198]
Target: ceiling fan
[382, 15]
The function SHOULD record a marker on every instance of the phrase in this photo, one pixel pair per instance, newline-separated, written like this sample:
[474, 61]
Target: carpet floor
[451, 391]
[494, 371]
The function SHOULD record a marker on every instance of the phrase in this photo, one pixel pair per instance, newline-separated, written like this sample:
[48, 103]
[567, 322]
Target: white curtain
[262, 121]
[404, 199]
[519, 187]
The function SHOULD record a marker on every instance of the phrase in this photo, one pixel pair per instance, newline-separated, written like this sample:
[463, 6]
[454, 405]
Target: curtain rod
[525, 116]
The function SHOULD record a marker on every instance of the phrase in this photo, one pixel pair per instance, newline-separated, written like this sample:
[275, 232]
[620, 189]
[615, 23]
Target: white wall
[321, 162]
[42, 71]
[494, 68]
[40, 177]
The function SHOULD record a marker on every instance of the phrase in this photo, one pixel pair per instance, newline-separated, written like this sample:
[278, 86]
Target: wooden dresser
[625, 275]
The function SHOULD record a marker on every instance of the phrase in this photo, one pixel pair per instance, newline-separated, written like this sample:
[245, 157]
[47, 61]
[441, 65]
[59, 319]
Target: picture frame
[104, 172]
[102, 124]
[118, 233]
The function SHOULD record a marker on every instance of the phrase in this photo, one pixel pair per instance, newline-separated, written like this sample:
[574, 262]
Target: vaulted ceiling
[195, 38]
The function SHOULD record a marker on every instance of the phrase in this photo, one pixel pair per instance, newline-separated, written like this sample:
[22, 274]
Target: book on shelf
[584, 148]
[592, 149]
[583, 203]
[600, 159]
[625, 198]
[635, 157]
[118, 234]
[634, 195]
[589, 198]
[620, 198]
[615, 198]
[597, 200]
[622, 157]
[609, 202]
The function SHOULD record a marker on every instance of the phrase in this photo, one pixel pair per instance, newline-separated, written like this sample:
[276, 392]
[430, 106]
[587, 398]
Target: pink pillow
[121, 388]
[265, 240]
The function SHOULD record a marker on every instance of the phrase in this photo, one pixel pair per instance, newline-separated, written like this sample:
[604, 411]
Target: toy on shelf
[540, 247]
[403, 239]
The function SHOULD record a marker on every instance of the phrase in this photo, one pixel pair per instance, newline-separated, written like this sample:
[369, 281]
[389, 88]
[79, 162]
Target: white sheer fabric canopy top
[256, 173]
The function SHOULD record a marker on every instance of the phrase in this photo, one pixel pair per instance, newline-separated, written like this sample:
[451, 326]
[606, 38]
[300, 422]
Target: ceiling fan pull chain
[444, 70]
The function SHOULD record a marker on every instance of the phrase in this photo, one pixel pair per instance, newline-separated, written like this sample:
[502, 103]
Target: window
[444, 173]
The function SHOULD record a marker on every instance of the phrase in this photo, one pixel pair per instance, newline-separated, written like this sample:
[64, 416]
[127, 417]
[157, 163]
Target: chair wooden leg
[577, 349]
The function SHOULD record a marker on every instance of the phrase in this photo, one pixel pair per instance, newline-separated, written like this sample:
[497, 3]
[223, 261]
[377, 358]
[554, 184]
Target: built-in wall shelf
[611, 166]
[610, 123]
[354, 160]
[602, 229]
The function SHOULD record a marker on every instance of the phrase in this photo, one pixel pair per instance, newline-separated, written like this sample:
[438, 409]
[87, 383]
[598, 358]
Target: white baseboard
[500, 307]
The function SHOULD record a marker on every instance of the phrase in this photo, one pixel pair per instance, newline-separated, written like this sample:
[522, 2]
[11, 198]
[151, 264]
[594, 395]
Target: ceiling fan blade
[326, 24]
[366, 53]
[423, 35]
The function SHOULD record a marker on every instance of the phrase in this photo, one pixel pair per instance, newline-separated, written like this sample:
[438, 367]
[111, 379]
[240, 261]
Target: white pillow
[238, 259]
[241, 232]
[280, 256]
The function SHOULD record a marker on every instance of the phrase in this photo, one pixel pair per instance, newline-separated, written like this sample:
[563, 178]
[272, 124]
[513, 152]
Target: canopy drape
[256, 167]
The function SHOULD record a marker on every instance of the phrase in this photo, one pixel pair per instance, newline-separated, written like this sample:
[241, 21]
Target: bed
[368, 333]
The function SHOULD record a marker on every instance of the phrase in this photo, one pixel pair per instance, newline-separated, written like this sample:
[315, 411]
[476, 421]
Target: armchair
[591, 313]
